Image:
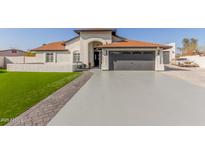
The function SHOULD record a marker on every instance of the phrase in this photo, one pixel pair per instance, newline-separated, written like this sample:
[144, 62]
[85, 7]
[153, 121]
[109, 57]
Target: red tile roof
[54, 46]
[133, 44]
[60, 46]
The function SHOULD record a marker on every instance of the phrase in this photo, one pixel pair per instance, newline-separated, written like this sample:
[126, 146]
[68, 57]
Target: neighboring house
[169, 54]
[9, 53]
[101, 48]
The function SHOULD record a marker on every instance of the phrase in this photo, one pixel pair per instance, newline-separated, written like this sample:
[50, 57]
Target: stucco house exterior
[100, 48]
[9, 53]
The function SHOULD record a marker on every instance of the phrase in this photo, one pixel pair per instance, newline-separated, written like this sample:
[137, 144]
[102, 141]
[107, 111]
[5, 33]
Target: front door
[96, 59]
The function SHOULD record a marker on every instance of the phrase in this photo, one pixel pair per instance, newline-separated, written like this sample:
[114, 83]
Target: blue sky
[28, 38]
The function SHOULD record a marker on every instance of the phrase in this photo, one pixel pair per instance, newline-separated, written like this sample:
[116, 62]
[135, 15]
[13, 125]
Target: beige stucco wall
[105, 59]
[83, 44]
[63, 57]
[172, 51]
[73, 46]
[40, 57]
[159, 66]
[59, 56]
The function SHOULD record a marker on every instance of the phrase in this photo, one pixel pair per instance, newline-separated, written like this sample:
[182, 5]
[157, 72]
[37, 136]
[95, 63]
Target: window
[76, 57]
[13, 51]
[49, 57]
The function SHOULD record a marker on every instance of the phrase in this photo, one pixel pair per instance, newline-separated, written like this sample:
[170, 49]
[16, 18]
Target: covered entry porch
[94, 55]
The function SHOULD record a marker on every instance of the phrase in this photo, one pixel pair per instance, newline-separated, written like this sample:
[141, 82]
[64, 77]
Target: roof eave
[92, 30]
[71, 39]
[167, 47]
[123, 38]
[48, 50]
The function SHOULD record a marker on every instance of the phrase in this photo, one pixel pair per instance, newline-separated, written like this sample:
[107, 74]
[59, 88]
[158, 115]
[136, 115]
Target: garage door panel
[132, 61]
[133, 57]
[133, 65]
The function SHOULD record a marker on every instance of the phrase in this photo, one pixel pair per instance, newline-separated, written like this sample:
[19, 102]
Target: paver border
[41, 113]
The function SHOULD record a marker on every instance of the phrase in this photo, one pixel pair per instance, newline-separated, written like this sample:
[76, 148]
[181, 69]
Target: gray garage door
[135, 60]
[166, 57]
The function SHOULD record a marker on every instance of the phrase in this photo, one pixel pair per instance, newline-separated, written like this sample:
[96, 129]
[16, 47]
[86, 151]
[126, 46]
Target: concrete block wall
[40, 67]
[2, 62]
[200, 60]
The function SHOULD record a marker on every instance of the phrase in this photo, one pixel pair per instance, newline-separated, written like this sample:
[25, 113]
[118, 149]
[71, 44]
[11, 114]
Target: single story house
[101, 48]
[9, 53]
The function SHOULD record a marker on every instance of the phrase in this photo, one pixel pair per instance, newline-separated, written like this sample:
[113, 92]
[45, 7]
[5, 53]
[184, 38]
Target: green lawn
[21, 90]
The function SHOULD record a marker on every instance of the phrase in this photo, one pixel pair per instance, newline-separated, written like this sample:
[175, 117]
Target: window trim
[76, 57]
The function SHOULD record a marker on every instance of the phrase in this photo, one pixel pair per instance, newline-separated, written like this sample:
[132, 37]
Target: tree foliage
[190, 46]
[30, 54]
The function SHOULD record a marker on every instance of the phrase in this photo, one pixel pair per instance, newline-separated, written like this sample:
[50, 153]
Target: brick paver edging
[41, 113]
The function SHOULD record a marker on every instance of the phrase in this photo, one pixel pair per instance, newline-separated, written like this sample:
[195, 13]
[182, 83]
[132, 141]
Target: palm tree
[185, 43]
[190, 46]
[194, 44]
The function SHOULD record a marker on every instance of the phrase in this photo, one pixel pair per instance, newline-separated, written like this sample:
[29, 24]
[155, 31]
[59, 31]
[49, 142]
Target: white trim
[76, 52]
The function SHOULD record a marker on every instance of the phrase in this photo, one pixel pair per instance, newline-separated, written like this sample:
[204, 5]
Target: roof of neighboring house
[12, 50]
[54, 46]
[134, 44]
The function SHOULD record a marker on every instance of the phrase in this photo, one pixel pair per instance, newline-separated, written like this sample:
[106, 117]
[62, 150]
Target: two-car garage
[132, 60]
[133, 55]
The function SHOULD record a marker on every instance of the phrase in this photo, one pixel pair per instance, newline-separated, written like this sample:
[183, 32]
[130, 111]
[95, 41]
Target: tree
[194, 44]
[185, 44]
[190, 46]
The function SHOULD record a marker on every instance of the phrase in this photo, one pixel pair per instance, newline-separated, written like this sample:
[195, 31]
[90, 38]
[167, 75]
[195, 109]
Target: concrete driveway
[134, 98]
[192, 75]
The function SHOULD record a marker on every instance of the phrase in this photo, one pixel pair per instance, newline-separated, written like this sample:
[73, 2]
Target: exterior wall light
[105, 52]
[158, 51]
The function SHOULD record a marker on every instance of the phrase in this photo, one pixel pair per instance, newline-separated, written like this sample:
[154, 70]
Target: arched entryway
[94, 54]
